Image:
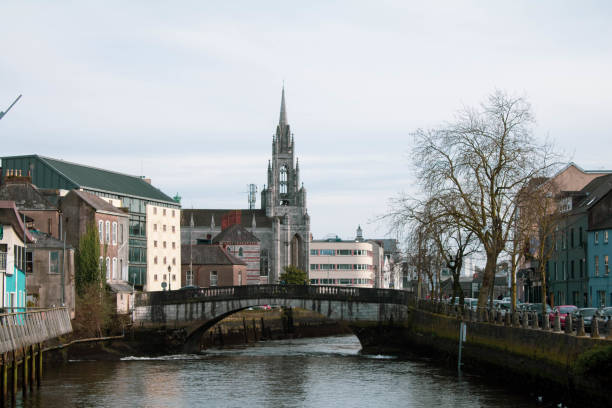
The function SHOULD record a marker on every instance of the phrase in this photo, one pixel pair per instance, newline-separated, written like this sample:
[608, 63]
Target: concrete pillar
[594, 328]
[508, 319]
[580, 327]
[545, 322]
[557, 326]
[535, 322]
[569, 325]
[609, 329]
[24, 373]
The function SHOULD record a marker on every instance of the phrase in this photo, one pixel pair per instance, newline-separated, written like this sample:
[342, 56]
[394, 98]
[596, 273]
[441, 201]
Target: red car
[563, 312]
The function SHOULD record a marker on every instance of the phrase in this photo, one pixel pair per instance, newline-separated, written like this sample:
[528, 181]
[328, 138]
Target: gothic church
[282, 224]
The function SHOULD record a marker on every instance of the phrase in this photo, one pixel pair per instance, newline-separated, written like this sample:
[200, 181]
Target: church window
[283, 180]
[240, 251]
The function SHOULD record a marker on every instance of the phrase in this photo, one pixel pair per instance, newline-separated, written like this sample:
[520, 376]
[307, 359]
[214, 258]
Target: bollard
[515, 319]
[580, 326]
[545, 322]
[594, 328]
[536, 322]
[557, 326]
[525, 317]
[609, 329]
[569, 325]
[508, 319]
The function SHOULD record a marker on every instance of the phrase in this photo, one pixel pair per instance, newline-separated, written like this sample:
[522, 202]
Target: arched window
[283, 180]
[108, 267]
[240, 251]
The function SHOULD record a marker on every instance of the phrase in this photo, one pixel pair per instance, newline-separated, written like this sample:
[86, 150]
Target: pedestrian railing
[23, 329]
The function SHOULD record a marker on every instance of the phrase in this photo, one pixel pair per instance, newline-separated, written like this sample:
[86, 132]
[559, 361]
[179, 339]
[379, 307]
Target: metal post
[462, 330]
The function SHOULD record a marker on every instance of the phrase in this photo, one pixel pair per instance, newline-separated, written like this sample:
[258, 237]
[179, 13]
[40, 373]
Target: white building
[345, 263]
[163, 248]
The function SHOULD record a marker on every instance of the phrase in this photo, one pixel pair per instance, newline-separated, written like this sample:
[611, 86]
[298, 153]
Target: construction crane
[9, 108]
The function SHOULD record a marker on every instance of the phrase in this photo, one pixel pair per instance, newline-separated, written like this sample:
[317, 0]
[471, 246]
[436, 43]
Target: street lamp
[169, 279]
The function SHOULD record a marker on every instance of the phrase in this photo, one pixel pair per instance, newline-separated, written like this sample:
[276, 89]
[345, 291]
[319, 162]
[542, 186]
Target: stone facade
[282, 225]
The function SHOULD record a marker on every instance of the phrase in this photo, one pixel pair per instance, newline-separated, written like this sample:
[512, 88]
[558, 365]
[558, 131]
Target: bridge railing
[275, 292]
[23, 329]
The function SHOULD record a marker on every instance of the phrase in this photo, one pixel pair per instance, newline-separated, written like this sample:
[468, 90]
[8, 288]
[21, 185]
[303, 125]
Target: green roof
[91, 178]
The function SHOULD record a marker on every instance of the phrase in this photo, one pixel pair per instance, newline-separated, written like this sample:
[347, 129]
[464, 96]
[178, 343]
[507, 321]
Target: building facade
[163, 229]
[282, 225]
[242, 244]
[210, 265]
[136, 194]
[344, 263]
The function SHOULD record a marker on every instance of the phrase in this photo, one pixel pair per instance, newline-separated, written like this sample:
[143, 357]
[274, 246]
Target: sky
[188, 93]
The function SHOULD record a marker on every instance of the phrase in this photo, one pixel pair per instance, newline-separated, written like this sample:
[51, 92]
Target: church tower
[284, 200]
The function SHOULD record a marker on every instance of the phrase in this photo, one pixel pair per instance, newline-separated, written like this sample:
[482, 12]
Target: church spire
[283, 111]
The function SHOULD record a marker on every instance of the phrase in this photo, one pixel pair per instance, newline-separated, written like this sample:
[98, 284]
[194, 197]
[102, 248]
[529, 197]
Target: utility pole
[9, 108]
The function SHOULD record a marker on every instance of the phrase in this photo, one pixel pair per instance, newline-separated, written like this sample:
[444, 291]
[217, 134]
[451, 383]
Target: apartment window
[174, 245]
[329, 252]
[154, 210]
[314, 266]
[108, 232]
[173, 261]
[101, 231]
[240, 251]
[154, 244]
[155, 277]
[55, 262]
[29, 266]
[173, 277]
[114, 275]
[164, 276]
[596, 237]
[121, 234]
[114, 233]
[164, 260]
[164, 212]
[108, 267]
[605, 237]
[155, 260]
[173, 229]
[213, 278]
[580, 236]
[556, 276]
[581, 263]
[572, 268]
[173, 213]
[189, 278]
[164, 244]
[345, 252]
[314, 252]
[596, 265]
[164, 228]
[101, 263]
[572, 237]
[606, 267]
[154, 227]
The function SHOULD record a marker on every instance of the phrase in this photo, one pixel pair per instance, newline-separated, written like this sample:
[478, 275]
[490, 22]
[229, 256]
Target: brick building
[244, 245]
[210, 265]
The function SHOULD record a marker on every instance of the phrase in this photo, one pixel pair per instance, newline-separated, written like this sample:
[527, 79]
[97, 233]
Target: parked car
[587, 314]
[563, 312]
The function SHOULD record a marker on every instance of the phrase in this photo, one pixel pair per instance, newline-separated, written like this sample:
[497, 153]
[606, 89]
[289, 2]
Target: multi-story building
[163, 248]
[13, 239]
[80, 209]
[344, 263]
[211, 265]
[282, 225]
[122, 190]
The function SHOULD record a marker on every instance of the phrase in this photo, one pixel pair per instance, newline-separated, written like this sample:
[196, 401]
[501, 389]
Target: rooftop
[207, 255]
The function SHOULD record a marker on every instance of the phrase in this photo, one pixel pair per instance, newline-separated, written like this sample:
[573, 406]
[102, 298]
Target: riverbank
[244, 327]
[573, 369]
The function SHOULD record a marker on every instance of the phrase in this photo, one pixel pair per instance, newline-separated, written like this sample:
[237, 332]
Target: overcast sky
[188, 93]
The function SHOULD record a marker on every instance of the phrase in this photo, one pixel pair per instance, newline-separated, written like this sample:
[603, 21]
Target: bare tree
[476, 167]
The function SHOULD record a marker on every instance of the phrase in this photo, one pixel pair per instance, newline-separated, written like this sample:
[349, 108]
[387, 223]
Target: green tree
[294, 276]
[88, 269]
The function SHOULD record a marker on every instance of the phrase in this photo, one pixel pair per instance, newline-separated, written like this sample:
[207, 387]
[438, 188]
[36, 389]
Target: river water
[320, 372]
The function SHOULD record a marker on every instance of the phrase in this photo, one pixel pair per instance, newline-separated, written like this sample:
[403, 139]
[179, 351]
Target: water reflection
[325, 372]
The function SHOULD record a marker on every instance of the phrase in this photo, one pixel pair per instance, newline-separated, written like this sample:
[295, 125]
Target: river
[320, 372]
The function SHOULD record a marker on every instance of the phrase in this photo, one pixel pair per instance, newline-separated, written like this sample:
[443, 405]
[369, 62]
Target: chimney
[147, 180]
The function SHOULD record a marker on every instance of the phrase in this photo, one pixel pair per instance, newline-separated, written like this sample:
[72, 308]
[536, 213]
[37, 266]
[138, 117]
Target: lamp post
[169, 279]
[451, 265]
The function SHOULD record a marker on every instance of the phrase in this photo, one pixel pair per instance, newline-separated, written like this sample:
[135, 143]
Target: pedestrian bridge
[196, 310]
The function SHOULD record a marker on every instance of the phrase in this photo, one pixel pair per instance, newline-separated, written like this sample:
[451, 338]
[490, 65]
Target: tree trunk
[488, 279]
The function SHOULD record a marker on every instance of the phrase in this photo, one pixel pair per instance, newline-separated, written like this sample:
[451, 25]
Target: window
[174, 245]
[596, 265]
[596, 237]
[572, 237]
[345, 252]
[240, 251]
[108, 267]
[606, 237]
[213, 278]
[155, 260]
[164, 212]
[188, 277]
[114, 275]
[572, 269]
[154, 244]
[155, 278]
[154, 227]
[580, 237]
[55, 262]
[164, 228]
[107, 232]
[329, 252]
[101, 231]
[164, 260]
[314, 252]
[173, 261]
[164, 244]
[101, 263]
[173, 277]
[121, 234]
[173, 229]
[173, 213]
[606, 266]
[314, 266]
[155, 210]
[114, 233]
[283, 180]
[345, 266]
[29, 262]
